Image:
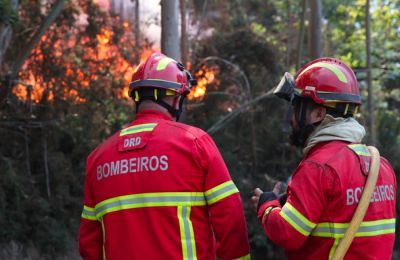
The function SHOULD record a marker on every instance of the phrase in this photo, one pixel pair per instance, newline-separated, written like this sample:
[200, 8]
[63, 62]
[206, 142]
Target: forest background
[65, 67]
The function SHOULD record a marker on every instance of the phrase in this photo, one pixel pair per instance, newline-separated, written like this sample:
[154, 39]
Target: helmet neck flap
[157, 96]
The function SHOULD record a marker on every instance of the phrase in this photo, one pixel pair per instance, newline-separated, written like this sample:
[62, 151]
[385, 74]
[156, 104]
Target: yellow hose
[362, 207]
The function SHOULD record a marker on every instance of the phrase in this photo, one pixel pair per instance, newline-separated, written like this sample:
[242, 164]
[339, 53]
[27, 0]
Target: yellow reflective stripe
[245, 257]
[267, 211]
[366, 229]
[186, 232]
[163, 63]
[88, 213]
[155, 94]
[346, 109]
[220, 192]
[296, 219]
[170, 92]
[136, 96]
[137, 129]
[143, 200]
[360, 149]
[333, 68]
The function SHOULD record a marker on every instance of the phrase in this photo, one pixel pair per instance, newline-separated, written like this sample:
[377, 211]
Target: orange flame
[105, 56]
[105, 36]
[205, 76]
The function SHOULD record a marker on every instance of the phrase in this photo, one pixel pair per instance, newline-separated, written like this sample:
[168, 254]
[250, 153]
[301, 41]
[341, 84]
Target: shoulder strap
[362, 207]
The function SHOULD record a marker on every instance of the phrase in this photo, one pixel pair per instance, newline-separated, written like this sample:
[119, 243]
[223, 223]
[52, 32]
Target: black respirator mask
[300, 106]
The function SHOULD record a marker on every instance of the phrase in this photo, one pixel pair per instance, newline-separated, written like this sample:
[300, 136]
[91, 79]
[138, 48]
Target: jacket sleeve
[90, 233]
[224, 203]
[289, 226]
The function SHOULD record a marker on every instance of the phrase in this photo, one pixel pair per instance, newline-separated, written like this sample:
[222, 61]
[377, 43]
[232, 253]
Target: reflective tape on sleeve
[137, 129]
[88, 213]
[220, 192]
[297, 220]
[366, 229]
[245, 257]
[150, 200]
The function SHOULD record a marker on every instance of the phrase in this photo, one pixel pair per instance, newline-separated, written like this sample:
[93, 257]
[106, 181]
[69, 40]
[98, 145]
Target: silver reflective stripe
[360, 149]
[226, 189]
[220, 192]
[187, 235]
[367, 228]
[150, 200]
[88, 213]
[138, 129]
[294, 219]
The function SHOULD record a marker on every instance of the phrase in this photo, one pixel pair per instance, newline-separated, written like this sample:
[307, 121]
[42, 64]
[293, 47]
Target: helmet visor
[285, 88]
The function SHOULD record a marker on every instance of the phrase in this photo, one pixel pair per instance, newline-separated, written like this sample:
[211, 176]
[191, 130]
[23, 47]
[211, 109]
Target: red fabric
[265, 206]
[319, 190]
[194, 165]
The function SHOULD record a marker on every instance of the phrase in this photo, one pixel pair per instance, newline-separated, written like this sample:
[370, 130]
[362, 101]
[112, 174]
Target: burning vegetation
[70, 61]
[205, 76]
[93, 57]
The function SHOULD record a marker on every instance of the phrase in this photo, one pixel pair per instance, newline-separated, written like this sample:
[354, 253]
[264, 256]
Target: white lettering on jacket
[132, 165]
[381, 193]
[131, 142]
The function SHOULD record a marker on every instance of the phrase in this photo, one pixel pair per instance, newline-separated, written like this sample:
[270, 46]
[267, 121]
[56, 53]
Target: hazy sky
[150, 15]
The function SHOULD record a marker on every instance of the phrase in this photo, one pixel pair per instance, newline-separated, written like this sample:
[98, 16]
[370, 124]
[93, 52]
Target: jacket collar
[153, 114]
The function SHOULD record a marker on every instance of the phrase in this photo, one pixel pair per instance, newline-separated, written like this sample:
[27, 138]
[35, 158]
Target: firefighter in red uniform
[159, 189]
[327, 185]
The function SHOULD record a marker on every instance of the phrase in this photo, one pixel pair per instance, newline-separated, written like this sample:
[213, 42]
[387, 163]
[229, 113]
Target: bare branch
[224, 121]
[56, 10]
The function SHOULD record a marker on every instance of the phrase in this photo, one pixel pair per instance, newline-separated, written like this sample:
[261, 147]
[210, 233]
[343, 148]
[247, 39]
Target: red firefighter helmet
[327, 81]
[161, 76]
[160, 72]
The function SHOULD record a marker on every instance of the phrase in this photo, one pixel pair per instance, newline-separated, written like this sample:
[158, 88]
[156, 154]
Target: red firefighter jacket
[322, 197]
[159, 189]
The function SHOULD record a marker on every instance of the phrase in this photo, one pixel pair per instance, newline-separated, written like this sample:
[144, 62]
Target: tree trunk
[12, 77]
[137, 31]
[300, 40]
[169, 29]
[184, 45]
[46, 162]
[288, 35]
[315, 43]
[55, 11]
[371, 117]
[6, 33]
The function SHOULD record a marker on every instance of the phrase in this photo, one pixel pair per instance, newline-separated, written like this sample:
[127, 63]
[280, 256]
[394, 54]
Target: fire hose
[362, 207]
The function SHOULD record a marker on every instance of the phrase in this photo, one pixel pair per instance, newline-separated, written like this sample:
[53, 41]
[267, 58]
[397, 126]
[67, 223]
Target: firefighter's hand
[265, 196]
[255, 198]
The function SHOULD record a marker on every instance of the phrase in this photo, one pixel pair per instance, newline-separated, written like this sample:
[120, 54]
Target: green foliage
[81, 103]
[8, 15]
[78, 101]
[263, 42]
[253, 145]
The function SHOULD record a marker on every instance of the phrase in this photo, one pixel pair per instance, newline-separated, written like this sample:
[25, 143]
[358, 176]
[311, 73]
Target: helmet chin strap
[173, 111]
[299, 136]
